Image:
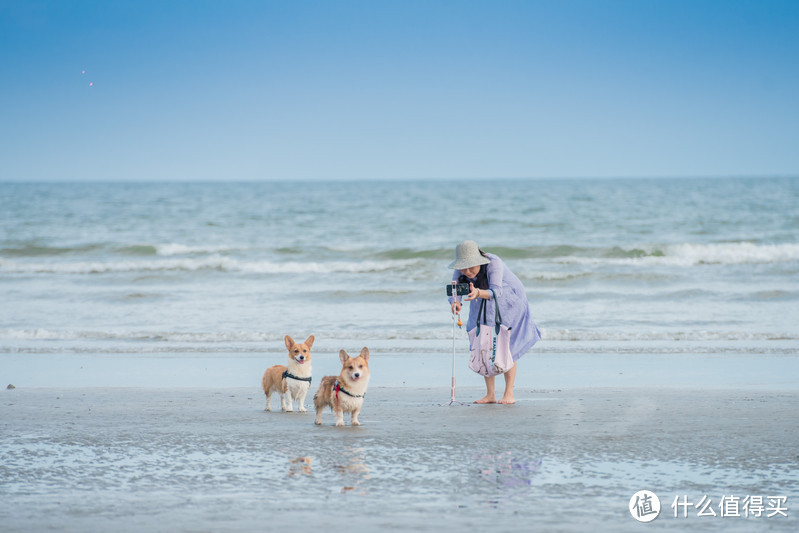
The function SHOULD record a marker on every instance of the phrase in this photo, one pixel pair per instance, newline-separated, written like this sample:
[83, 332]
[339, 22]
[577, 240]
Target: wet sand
[210, 459]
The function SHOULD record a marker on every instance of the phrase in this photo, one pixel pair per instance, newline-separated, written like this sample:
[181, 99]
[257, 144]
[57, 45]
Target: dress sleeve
[495, 271]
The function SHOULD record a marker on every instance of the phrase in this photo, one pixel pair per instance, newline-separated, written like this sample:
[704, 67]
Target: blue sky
[249, 90]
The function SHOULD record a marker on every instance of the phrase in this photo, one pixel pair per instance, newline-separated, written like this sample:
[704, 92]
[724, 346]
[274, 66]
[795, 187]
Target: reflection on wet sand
[505, 470]
[355, 468]
[300, 466]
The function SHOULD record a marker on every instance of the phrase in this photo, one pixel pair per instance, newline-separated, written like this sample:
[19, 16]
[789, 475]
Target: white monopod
[452, 400]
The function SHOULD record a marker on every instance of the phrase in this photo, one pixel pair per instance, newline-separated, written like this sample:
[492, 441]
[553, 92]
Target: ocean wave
[214, 262]
[526, 261]
[221, 337]
[554, 276]
[171, 249]
[182, 249]
[32, 249]
[127, 336]
[681, 255]
[443, 334]
[686, 254]
[720, 254]
[664, 336]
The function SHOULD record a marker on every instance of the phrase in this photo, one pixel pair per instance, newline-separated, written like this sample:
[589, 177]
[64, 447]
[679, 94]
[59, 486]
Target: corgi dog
[345, 392]
[292, 381]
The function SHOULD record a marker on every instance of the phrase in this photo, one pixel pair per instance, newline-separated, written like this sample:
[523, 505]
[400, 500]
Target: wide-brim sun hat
[467, 255]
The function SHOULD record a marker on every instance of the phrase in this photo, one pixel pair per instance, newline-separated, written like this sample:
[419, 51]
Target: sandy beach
[210, 459]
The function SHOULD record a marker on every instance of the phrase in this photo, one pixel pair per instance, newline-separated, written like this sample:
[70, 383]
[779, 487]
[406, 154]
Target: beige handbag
[490, 347]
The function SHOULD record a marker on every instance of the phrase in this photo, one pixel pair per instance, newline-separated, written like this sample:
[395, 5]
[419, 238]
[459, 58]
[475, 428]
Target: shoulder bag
[490, 347]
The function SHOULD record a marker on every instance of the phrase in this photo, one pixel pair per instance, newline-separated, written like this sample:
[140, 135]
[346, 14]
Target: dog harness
[286, 374]
[338, 387]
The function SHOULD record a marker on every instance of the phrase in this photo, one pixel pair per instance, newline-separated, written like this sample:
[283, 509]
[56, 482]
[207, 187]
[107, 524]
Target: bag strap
[481, 314]
[497, 316]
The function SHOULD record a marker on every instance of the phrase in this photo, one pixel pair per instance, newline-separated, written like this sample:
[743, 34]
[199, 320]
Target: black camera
[460, 289]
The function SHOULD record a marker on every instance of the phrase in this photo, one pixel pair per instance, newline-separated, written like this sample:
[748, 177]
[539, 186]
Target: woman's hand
[473, 293]
[456, 307]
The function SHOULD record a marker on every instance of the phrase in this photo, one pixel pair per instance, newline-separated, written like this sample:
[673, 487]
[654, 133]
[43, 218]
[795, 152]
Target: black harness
[286, 374]
[338, 387]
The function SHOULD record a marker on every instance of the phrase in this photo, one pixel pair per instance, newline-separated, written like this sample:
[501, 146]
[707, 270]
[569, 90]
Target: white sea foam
[182, 249]
[687, 255]
[735, 253]
[150, 336]
[666, 335]
[551, 276]
[422, 334]
[213, 262]
[677, 255]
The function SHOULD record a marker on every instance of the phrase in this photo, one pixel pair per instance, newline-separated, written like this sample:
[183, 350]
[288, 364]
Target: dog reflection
[300, 466]
[355, 468]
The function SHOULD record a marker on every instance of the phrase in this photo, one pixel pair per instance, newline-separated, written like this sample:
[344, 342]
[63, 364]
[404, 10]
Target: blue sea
[636, 266]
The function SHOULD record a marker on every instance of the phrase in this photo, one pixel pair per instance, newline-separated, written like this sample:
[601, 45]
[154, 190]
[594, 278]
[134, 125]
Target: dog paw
[303, 410]
[356, 423]
[317, 422]
[340, 423]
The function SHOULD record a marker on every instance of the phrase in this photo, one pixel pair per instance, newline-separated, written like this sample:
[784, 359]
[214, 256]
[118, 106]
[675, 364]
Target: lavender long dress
[513, 307]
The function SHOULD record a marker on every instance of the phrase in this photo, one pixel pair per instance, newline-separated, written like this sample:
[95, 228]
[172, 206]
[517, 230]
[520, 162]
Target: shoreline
[540, 370]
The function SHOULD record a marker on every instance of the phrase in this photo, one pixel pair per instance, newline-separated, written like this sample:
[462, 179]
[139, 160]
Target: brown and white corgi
[292, 381]
[345, 392]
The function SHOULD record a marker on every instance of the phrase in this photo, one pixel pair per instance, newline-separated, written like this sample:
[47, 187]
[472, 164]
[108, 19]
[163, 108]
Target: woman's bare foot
[507, 400]
[489, 398]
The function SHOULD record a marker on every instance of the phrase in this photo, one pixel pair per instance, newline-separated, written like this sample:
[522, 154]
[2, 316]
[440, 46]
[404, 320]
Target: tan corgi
[291, 382]
[344, 393]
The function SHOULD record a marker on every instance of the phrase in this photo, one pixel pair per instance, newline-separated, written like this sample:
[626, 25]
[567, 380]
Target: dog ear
[344, 356]
[365, 353]
[309, 341]
[289, 342]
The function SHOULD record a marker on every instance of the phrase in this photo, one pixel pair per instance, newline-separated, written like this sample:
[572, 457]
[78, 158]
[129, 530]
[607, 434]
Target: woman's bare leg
[490, 397]
[510, 379]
